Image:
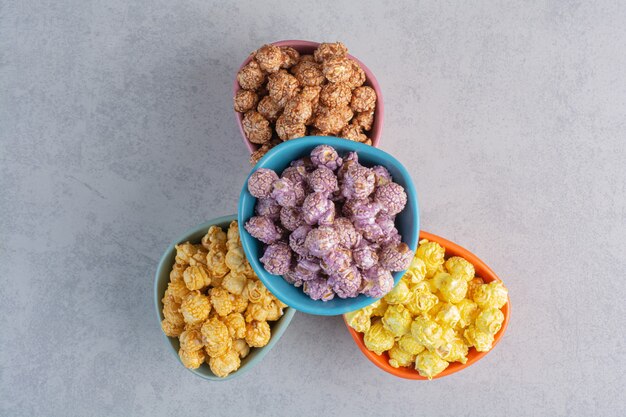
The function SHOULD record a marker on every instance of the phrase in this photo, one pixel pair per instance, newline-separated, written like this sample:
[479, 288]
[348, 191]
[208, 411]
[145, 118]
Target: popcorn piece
[317, 208]
[456, 265]
[269, 109]
[307, 269]
[320, 241]
[399, 357]
[453, 351]
[225, 364]
[261, 181]
[490, 321]
[277, 258]
[377, 282]
[171, 311]
[328, 51]
[365, 120]
[241, 347]
[245, 100]
[357, 183]
[287, 193]
[330, 121]
[291, 218]
[216, 262]
[397, 320]
[378, 308]
[185, 252]
[448, 315]
[417, 271]
[308, 73]
[324, 155]
[191, 340]
[275, 310]
[335, 94]
[352, 132]
[363, 99]
[176, 275]
[221, 300]
[256, 127]
[453, 288]
[427, 332]
[378, 339]
[259, 153]
[240, 303]
[289, 57]
[480, 340]
[251, 77]
[196, 277]
[492, 295]
[400, 294]
[267, 207]
[337, 261]
[177, 290]
[195, 307]
[295, 174]
[429, 364]
[359, 320]
[256, 311]
[408, 344]
[323, 180]
[216, 337]
[433, 256]
[318, 289]
[255, 291]
[357, 78]
[297, 111]
[364, 255]
[170, 329]
[421, 300]
[348, 236]
[235, 259]
[262, 228]
[396, 257]
[269, 57]
[191, 359]
[234, 283]
[346, 283]
[236, 325]
[297, 240]
[258, 333]
[282, 87]
[391, 197]
[337, 70]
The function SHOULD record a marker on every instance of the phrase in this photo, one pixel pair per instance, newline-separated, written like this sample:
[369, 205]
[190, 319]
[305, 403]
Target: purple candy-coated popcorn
[365, 255]
[301, 192]
[297, 239]
[350, 160]
[315, 206]
[377, 282]
[323, 180]
[364, 211]
[268, 207]
[396, 257]
[382, 175]
[284, 192]
[391, 198]
[318, 289]
[388, 228]
[328, 218]
[291, 218]
[307, 270]
[357, 182]
[320, 241]
[346, 233]
[295, 174]
[324, 155]
[291, 278]
[370, 230]
[277, 258]
[304, 162]
[337, 260]
[264, 229]
[260, 182]
[347, 283]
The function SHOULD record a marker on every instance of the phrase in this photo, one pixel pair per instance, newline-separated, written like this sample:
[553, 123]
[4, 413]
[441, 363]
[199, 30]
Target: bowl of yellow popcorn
[294, 88]
[446, 313]
[217, 317]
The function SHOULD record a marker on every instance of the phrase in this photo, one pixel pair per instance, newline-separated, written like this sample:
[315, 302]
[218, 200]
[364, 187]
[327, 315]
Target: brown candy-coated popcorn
[337, 69]
[358, 75]
[364, 120]
[353, 132]
[256, 127]
[287, 130]
[290, 57]
[311, 93]
[269, 109]
[259, 153]
[330, 121]
[308, 73]
[245, 100]
[282, 86]
[335, 94]
[297, 110]
[363, 99]
[269, 57]
[251, 77]
[330, 50]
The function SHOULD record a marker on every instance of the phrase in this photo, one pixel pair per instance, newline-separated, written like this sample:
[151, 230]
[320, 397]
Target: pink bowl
[307, 47]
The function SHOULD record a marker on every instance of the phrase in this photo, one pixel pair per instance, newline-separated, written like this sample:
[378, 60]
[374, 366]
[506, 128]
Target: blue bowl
[161, 280]
[278, 158]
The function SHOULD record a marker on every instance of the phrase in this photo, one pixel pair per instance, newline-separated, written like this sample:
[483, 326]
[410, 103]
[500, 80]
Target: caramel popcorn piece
[245, 100]
[328, 51]
[240, 303]
[216, 262]
[195, 307]
[236, 325]
[241, 347]
[297, 110]
[196, 277]
[177, 290]
[364, 120]
[171, 311]
[282, 86]
[287, 130]
[269, 109]
[335, 94]
[184, 253]
[337, 69]
[234, 283]
[258, 333]
[176, 275]
[170, 329]
[330, 121]
[251, 77]
[221, 301]
[269, 57]
[259, 153]
[215, 236]
[256, 311]
[357, 78]
[289, 57]
[191, 359]
[191, 340]
[256, 127]
[225, 364]
[216, 337]
[363, 99]
[353, 132]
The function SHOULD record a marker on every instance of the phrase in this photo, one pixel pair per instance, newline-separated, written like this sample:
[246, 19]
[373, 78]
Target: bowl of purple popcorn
[329, 225]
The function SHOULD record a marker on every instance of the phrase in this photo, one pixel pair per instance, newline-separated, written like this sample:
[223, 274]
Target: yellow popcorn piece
[185, 252]
[398, 357]
[448, 315]
[490, 320]
[408, 344]
[178, 290]
[378, 308]
[399, 294]
[453, 288]
[468, 310]
[432, 253]
[472, 286]
[215, 236]
[225, 364]
[191, 340]
[216, 337]
[397, 320]
[236, 325]
[170, 329]
[196, 277]
[453, 351]
[192, 359]
[222, 301]
[241, 347]
[480, 340]
[195, 307]
[378, 339]
[458, 266]
[258, 333]
[416, 271]
[422, 300]
[235, 258]
[492, 295]
[171, 311]
[427, 332]
[360, 320]
[234, 283]
[429, 364]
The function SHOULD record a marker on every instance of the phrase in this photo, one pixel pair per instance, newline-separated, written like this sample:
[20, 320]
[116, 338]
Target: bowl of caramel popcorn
[217, 317]
[292, 89]
[446, 313]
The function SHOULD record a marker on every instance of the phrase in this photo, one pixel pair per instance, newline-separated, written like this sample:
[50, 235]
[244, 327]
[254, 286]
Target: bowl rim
[377, 128]
[306, 142]
[287, 314]
[381, 361]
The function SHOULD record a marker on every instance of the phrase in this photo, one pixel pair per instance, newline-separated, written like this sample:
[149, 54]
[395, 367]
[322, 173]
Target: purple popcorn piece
[370, 230]
[297, 239]
[323, 180]
[264, 229]
[320, 241]
[364, 211]
[347, 283]
[377, 282]
[268, 207]
[291, 218]
[396, 257]
[295, 174]
[388, 228]
[365, 255]
[346, 233]
[307, 269]
[391, 198]
[315, 207]
[261, 181]
[324, 155]
[357, 182]
[382, 175]
[284, 192]
[277, 258]
[336, 261]
[305, 162]
[318, 289]
[350, 160]
[291, 278]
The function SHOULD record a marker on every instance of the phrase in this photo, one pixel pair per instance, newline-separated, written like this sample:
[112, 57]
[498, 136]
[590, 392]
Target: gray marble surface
[116, 134]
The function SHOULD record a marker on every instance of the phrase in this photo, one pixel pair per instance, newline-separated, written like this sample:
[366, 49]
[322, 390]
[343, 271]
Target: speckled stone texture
[117, 134]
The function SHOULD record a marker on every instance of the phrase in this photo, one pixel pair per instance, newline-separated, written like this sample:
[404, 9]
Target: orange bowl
[483, 271]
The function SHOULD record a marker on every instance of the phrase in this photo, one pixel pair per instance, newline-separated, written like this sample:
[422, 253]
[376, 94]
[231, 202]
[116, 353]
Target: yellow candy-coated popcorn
[398, 357]
[225, 364]
[397, 320]
[171, 311]
[399, 294]
[492, 295]
[214, 236]
[489, 320]
[453, 351]
[240, 303]
[472, 286]
[192, 359]
[378, 308]
[378, 339]
[234, 283]
[256, 311]
[195, 307]
[408, 344]
[422, 300]
[453, 288]
[480, 340]
[258, 333]
[176, 275]
[191, 340]
[216, 337]
[448, 315]
[185, 252]
[236, 325]
[429, 364]
[432, 253]
[196, 277]
[359, 320]
[427, 332]
[235, 258]
[275, 310]
[178, 290]
[241, 347]
[222, 301]
[216, 262]
[170, 329]
[468, 310]
[416, 271]
[461, 267]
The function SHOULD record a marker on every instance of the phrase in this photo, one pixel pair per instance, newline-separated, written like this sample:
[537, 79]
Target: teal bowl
[278, 158]
[161, 279]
